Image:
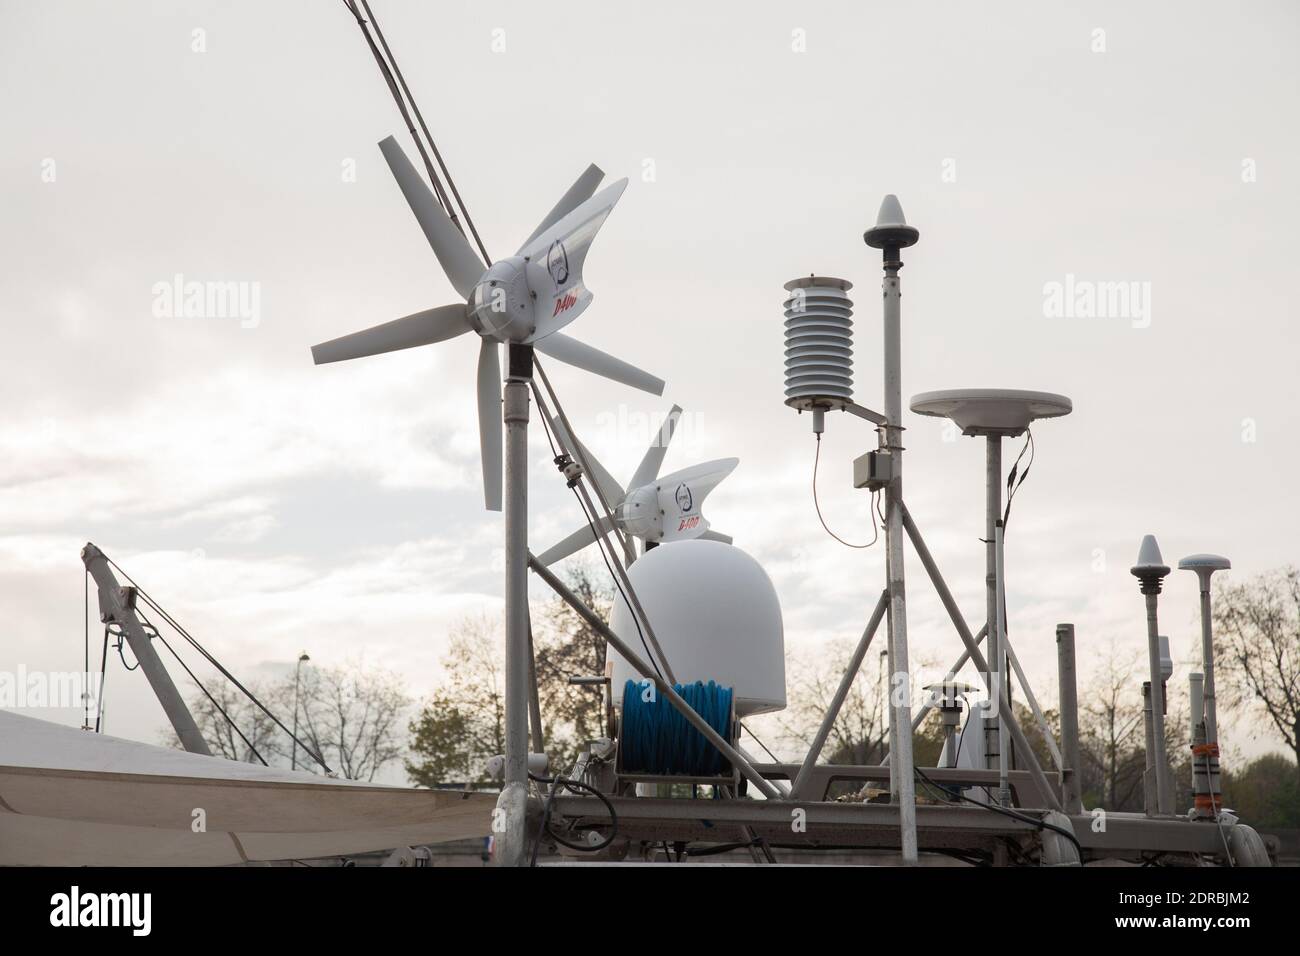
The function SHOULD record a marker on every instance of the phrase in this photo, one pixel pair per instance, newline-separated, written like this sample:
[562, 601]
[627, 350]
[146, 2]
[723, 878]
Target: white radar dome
[717, 617]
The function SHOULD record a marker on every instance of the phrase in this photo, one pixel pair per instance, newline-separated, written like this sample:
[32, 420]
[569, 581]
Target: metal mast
[890, 234]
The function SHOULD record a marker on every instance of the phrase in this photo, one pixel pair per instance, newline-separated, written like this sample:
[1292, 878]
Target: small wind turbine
[525, 299]
[655, 509]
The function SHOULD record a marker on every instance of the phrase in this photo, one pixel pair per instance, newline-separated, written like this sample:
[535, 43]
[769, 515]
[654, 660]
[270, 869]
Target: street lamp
[297, 673]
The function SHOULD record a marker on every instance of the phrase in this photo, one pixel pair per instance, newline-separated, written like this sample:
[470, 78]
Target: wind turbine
[653, 508]
[524, 299]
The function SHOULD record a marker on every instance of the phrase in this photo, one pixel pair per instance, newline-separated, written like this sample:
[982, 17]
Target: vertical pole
[1067, 677]
[1150, 795]
[992, 512]
[890, 671]
[1164, 800]
[1004, 684]
[1207, 655]
[900, 715]
[510, 820]
[297, 674]
[115, 608]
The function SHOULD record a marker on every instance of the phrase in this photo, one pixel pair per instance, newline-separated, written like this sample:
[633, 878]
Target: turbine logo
[557, 263]
[684, 499]
[564, 303]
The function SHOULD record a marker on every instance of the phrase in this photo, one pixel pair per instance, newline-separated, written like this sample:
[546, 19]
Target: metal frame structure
[1044, 802]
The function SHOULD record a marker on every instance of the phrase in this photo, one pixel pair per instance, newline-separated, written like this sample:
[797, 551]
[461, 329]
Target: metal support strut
[116, 606]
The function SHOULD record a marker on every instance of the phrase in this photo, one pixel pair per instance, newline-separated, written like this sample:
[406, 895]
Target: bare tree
[860, 732]
[1111, 731]
[1257, 625]
[352, 717]
[227, 709]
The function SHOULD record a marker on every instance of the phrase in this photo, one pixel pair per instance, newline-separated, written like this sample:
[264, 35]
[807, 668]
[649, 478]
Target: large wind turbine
[525, 299]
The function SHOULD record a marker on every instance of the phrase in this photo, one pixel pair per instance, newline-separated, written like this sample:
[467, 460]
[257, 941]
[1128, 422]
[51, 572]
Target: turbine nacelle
[521, 300]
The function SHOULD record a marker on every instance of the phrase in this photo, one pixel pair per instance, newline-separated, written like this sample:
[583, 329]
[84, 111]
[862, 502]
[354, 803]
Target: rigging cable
[199, 684]
[162, 612]
[602, 540]
[451, 183]
[401, 107]
[875, 531]
[393, 87]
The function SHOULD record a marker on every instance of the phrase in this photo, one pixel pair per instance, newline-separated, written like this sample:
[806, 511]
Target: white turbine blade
[578, 193]
[648, 470]
[421, 328]
[609, 488]
[575, 542]
[489, 421]
[459, 261]
[555, 260]
[572, 352]
[682, 493]
[712, 535]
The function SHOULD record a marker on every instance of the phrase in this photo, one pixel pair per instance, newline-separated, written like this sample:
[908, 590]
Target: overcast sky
[273, 506]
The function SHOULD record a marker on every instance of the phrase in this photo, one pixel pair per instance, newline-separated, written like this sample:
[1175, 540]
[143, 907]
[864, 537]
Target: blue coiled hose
[658, 740]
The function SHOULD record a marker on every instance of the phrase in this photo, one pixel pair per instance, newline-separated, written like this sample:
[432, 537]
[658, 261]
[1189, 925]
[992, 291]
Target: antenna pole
[992, 511]
[509, 823]
[891, 234]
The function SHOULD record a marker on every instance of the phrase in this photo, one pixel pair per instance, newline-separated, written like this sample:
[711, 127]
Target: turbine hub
[639, 513]
[502, 303]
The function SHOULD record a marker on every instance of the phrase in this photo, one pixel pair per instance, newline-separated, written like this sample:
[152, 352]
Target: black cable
[875, 531]
[573, 785]
[1025, 818]
[122, 654]
[766, 749]
[1012, 485]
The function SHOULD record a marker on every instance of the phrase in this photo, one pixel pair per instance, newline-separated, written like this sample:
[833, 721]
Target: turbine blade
[420, 328]
[556, 257]
[609, 488]
[572, 352]
[648, 470]
[489, 421]
[462, 266]
[575, 542]
[581, 190]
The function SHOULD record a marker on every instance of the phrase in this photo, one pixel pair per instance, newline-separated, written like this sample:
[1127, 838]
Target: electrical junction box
[873, 471]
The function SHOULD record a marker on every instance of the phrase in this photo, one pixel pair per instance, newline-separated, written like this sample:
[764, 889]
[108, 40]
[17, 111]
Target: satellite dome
[716, 616]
